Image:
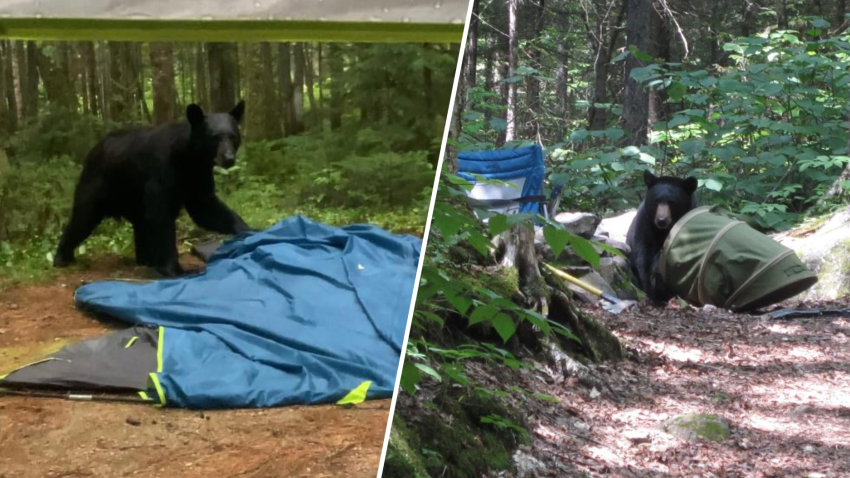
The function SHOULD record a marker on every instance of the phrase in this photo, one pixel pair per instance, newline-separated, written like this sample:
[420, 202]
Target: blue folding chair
[521, 168]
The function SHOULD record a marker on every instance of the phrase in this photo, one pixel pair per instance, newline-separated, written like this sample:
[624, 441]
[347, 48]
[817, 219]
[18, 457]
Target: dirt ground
[783, 385]
[52, 438]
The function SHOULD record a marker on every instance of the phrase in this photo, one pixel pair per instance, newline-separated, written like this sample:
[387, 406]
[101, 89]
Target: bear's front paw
[62, 261]
[170, 270]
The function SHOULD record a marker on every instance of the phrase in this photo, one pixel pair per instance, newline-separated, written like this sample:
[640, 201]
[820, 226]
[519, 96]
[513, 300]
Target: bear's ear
[649, 178]
[238, 111]
[691, 184]
[195, 114]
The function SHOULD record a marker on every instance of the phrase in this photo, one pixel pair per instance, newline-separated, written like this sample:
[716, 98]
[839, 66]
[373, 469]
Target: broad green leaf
[498, 124]
[548, 398]
[647, 158]
[428, 370]
[460, 181]
[483, 313]
[677, 91]
[614, 133]
[679, 120]
[631, 150]
[504, 325]
[410, 377]
[585, 250]
[712, 184]
[448, 225]
[459, 302]
[556, 238]
[692, 147]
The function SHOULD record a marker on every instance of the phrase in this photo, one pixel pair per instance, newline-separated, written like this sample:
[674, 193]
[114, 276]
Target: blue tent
[505, 165]
[300, 313]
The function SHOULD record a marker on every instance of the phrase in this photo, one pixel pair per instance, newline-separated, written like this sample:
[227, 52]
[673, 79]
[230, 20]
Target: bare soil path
[784, 386]
[52, 438]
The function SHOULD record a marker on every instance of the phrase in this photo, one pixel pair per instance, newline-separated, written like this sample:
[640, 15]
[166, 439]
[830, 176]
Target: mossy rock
[698, 425]
[464, 446]
[504, 281]
[402, 460]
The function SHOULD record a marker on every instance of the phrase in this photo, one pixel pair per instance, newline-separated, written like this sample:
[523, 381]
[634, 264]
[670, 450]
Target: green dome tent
[712, 258]
[432, 21]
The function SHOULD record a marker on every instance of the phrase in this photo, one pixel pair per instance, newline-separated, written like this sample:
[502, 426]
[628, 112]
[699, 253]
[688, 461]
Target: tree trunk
[561, 83]
[532, 88]
[7, 58]
[30, 92]
[782, 14]
[284, 57]
[640, 30]
[840, 11]
[470, 58]
[510, 114]
[121, 83]
[455, 127]
[140, 104]
[202, 89]
[272, 115]
[298, 86]
[54, 75]
[6, 113]
[87, 56]
[18, 58]
[337, 84]
[321, 68]
[315, 119]
[490, 73]
[262, 121]
[164, 89]
[221, 58]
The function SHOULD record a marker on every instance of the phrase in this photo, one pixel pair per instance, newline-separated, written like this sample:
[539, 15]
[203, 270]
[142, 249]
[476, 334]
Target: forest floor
[52, 438]
[783, 385]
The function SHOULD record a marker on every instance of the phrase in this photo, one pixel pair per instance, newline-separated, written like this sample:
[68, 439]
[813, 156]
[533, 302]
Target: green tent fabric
[432, 21]
[713, 258]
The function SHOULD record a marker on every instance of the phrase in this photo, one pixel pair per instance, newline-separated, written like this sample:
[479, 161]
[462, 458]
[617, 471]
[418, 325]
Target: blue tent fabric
[301, 313]
[506, 164]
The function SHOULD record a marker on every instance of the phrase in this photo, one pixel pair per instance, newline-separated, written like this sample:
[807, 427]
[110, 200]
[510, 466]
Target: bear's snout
[225, 157]
[662, 216]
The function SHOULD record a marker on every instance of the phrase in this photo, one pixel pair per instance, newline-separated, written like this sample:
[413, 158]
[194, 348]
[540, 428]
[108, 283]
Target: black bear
[146, 175]
[667, 200]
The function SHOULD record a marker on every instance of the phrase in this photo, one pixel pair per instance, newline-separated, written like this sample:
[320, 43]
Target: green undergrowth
[273, 181]
[479, 438]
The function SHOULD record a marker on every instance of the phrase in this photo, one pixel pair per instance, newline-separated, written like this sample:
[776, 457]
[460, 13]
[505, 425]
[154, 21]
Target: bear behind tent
[667, 200]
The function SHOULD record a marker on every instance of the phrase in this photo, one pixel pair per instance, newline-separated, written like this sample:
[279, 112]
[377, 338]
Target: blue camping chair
[521, 168]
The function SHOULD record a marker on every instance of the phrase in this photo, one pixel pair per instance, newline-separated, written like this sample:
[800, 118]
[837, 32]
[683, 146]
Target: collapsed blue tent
[301, 313]
[523, 166]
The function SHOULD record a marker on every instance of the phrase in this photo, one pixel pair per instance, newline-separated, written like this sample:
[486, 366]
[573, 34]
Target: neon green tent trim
[433, 21]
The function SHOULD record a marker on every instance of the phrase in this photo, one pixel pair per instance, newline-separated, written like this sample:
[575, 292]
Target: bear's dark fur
[667, 200]
[147, 175]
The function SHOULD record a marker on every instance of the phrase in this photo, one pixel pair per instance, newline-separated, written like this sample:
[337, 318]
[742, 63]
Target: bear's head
[216, 135]
[668, 198]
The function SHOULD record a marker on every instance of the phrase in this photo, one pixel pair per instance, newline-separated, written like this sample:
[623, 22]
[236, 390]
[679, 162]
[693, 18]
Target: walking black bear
[667, 200]
[147, 175]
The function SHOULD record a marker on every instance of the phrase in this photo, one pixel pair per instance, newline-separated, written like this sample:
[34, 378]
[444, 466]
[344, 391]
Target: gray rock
[582, 224]
[827, 253]
[527, 466]
[616, 227]
[615, 272]
[698, 425]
